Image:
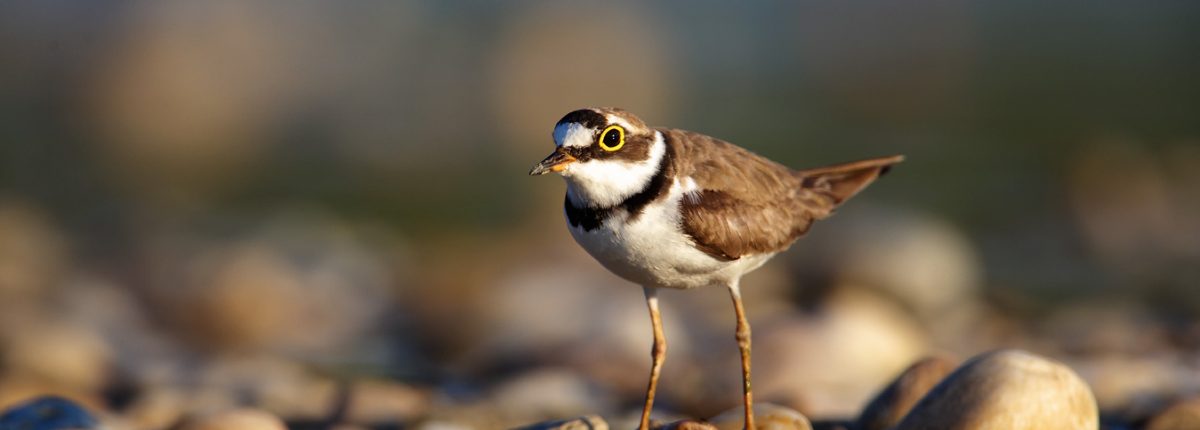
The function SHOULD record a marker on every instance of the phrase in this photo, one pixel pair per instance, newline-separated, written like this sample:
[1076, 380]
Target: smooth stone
[48, 413]
[237, 419]
[384, 401]
[686, 425]
[1184, 415]
[767, 416]
[832, 362]
[33, 256]
[586, 422]
[549, 392]
[57, 353]
[894, 402]
[1009, 390]
[833, 425]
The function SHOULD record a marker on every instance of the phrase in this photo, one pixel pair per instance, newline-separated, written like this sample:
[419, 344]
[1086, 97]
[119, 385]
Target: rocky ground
[306, 322]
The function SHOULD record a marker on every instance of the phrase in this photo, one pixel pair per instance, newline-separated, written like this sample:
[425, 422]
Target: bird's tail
[840, 182]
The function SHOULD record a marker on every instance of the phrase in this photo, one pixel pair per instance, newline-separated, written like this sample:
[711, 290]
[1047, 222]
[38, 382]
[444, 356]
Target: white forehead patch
[614, 119]
[572, 134]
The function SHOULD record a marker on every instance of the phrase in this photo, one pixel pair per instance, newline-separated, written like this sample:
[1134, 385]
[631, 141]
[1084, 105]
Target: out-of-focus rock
[48, 413]
[1183, 415]
[56, 352]
[40, 357]
[237, 419]
[32, 254]
[767, 416]
[547, 393]
[686, 425]
[833, 425]
[829, 363]
[349, 427]
[1125, 381]
[1096, 329]
[894, 402]
[378, 401]
[436, 424]
[925, 263]
[578, 312]
[300, 284]
[586, 422]
[1011, 390]
[156, 408]
[16, 390]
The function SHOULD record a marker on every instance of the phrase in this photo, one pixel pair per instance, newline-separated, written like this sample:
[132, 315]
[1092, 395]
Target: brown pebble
[893, 403]
[237, 419]
[375, 401]
[587, 422]
[1010, 390]
[767, 416]
[685, 425]
[1184, 415]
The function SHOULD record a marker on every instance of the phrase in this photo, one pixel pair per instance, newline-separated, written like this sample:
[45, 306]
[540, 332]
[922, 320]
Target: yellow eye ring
[604, 141]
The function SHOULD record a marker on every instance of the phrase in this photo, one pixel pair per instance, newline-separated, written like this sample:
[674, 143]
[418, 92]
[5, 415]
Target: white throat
[607, 183]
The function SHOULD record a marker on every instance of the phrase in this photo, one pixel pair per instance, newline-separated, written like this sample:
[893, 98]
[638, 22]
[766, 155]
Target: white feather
[652, 249]
[607, 183]
[572, 134]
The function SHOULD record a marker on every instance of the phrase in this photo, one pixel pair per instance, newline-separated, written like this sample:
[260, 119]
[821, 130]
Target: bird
[669, 208]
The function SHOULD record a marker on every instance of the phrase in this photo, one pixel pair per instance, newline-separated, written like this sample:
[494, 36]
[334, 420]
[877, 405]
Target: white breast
[652, 250]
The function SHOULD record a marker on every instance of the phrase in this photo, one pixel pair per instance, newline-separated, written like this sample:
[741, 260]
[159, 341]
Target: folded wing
[745, 204]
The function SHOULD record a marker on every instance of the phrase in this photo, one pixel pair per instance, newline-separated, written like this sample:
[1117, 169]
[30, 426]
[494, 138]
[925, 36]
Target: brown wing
[748, 204]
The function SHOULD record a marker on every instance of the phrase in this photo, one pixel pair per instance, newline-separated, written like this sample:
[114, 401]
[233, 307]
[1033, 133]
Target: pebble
[831, 363]
[1007, 389]
[894, 402]
[549, 392]
[384, 401]
[686, 425]
[64, 354]
[33, 254]
[1184, 415]
[48, 413]
[237, 419]
[586, 422]
[767, 416]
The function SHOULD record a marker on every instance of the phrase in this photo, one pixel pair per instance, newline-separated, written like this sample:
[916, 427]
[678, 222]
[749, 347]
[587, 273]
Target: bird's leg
[658, 352]
[743, 340]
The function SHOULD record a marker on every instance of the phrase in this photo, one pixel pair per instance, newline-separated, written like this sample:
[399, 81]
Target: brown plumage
[643, 205]
[748, 204]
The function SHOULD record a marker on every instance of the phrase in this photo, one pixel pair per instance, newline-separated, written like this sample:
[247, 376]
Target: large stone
[587, 422]
[64, 354]
[894, 402]
[767, 416]
[237, 419]
[1184, 415]
[830, 363]
[686, 425]
[1006, 390]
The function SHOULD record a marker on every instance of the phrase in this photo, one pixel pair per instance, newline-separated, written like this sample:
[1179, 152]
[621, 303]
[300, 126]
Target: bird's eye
[613, 138]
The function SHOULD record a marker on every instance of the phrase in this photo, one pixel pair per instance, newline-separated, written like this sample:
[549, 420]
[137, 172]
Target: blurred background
[320, 209]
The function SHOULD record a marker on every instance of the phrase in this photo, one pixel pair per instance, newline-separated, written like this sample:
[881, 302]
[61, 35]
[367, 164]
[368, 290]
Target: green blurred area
[424, 115]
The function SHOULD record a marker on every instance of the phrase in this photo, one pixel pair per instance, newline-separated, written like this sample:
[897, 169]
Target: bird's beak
[556, 162]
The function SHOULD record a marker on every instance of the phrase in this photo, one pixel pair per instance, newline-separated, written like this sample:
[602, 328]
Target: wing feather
[746, 204]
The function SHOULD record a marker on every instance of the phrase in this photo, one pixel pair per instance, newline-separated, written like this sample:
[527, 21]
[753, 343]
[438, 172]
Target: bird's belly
[652, 250]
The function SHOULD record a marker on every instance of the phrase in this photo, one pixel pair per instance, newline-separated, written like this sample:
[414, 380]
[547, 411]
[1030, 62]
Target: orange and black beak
[556, 162]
